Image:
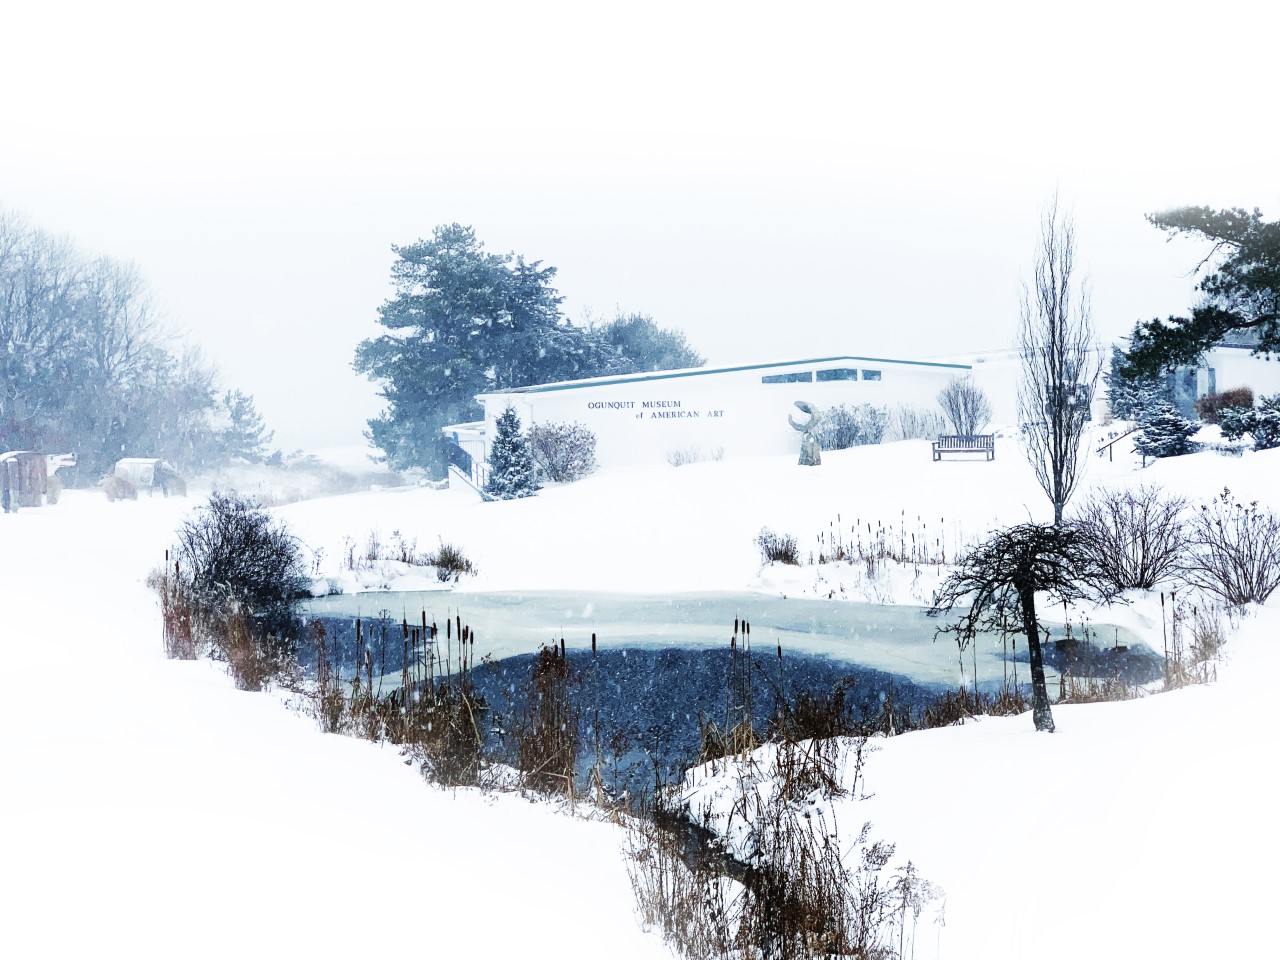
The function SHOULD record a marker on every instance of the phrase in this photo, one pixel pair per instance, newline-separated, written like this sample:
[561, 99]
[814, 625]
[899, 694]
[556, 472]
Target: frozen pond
[892, 639]
[663, 662]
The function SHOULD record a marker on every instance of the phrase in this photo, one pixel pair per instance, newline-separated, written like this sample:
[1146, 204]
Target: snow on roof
[707, 371]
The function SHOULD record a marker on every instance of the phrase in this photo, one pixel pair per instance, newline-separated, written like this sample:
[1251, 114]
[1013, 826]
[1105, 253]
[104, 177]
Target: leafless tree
[997, 583]
[1060, 362]
[966, 406]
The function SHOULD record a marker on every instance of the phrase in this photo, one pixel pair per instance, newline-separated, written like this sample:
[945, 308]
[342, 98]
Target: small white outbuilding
[730, 412]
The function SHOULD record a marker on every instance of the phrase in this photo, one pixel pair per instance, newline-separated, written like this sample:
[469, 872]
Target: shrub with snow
[563, 452]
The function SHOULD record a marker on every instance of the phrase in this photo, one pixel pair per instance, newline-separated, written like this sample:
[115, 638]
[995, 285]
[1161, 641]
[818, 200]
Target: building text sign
[656, 409]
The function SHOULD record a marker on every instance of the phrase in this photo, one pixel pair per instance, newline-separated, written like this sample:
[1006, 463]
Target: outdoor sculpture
[810, 449]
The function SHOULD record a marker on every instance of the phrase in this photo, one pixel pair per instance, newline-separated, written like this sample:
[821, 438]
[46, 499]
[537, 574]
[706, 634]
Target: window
[870, 374]
[803, 377]
[841, 373]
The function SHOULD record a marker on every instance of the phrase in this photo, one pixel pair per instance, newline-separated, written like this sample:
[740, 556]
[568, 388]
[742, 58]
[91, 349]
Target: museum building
[704, 412]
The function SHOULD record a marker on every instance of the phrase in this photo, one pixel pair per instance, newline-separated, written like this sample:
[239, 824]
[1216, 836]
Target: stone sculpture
[810, 449]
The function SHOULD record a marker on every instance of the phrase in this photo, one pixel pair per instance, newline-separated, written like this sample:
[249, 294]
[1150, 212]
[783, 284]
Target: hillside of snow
[153, 810]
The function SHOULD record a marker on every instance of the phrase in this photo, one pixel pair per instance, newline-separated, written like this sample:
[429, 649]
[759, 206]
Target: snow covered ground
[152, 810]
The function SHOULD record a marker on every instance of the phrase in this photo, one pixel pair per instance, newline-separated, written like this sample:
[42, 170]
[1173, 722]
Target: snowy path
[152, 810]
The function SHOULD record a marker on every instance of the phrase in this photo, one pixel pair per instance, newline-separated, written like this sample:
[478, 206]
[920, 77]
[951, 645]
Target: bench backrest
[979, 441]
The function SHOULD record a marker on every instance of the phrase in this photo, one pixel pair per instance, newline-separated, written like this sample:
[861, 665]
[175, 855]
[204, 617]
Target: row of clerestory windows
[823, 376]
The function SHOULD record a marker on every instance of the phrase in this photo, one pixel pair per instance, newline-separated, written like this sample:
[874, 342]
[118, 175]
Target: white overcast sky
[778, 181]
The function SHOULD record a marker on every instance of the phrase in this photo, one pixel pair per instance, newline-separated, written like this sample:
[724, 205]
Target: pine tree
[1262, 422]
[511, 469]
[245, 435]
[1242, 293]
[1130, 394]
[1163, 432]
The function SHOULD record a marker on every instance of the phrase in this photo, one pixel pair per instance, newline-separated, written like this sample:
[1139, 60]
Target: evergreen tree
[1130, 394]
[1163, 432]
[462, 322]
[1262, 421]
[245, 436]
[1242, 294]
[511, 468]
[634, 343]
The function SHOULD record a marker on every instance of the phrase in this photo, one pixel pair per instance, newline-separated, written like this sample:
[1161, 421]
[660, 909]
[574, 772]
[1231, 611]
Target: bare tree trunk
[1060, 362]
[1041, 714]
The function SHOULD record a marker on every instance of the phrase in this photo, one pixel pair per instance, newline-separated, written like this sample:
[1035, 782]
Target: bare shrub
[841, 426]
[1135, 535]
[1211, 407]
[563, 452]
[233, 552]
[1234, 550]
[778, 547]
[912, 423]
[965, 404]
[118, 488]
[694, 454]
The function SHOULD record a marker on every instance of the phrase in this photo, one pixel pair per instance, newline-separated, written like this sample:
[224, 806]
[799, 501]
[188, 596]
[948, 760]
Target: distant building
[705, 412]
[1229, 364]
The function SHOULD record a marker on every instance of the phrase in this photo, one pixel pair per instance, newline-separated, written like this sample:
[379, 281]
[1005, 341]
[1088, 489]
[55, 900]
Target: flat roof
[708, 371]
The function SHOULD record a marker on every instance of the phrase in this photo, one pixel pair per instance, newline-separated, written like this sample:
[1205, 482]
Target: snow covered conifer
[1262, 421]
[511, 469]
[1163, 432]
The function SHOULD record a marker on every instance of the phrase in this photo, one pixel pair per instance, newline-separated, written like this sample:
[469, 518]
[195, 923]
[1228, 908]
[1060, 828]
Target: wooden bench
[984, 443]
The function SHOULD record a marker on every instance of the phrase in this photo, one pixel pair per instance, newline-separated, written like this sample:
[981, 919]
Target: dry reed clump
[951, 708]
[873, 542]
[177, 611]
[737, 737]
[434, 713]
[547, 741]
[778, 547]
[450, 562]
[788, 889]
[1194, 638]
[694, 907]
[251, 664]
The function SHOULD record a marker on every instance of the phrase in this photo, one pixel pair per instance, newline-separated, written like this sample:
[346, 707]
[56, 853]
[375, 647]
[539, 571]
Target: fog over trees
[87, 366]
